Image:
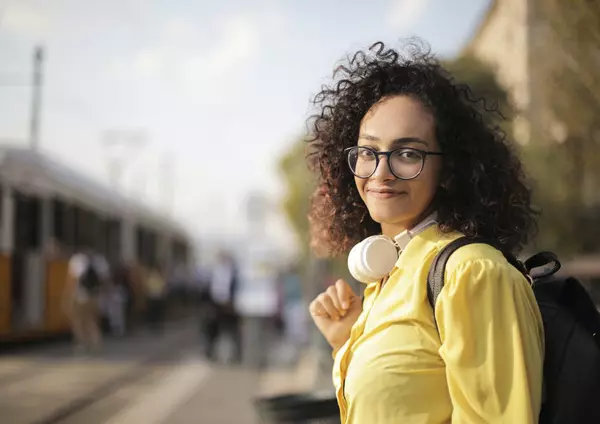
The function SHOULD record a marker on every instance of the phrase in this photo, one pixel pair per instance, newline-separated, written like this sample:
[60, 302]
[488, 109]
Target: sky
[222, 88]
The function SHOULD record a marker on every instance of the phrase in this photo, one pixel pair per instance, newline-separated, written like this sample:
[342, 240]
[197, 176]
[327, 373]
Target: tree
[557, 171]
[565, 155]
[483, 84]
[300, 183]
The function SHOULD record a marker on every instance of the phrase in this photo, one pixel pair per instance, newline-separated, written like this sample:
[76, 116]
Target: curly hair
[484, 191]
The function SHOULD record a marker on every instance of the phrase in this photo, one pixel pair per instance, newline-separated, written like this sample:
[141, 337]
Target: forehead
[399, 117]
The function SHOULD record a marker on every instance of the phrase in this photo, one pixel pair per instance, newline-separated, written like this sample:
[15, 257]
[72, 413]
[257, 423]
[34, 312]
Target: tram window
[104, 235]
[154, 247]
[151, 246]
[146, 246]
[114, 239]
[58, 230]
[68, 223]
[27, 226]
[35, 210]
[83, 228]
[139, 239]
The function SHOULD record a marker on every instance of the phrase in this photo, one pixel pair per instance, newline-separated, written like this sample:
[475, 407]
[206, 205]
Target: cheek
[360, 185]
[429, 181]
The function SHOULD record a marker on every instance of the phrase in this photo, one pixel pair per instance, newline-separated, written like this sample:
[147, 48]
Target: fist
[335, 311]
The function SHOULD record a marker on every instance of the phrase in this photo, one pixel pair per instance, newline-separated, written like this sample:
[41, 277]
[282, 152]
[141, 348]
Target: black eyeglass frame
[388, 154]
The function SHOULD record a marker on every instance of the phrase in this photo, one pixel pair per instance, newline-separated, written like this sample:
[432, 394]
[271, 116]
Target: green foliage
[562, 174]
[482, 82]
[569, 60]
[300, 183]
[566, 94]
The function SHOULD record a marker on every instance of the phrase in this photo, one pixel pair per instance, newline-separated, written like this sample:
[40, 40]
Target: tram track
[20, 375]
[47, 386]
[131, 379]
[105, 390]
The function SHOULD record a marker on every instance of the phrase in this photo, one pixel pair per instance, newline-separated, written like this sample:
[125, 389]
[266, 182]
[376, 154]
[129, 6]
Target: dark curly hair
[484, 192]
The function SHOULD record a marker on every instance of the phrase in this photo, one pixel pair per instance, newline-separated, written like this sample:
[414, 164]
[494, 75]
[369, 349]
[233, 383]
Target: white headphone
[374, 258]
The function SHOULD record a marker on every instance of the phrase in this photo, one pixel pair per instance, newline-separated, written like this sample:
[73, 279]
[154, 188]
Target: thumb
[345, 293]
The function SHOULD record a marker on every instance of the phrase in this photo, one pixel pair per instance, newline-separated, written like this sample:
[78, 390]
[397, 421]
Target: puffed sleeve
[492, 343]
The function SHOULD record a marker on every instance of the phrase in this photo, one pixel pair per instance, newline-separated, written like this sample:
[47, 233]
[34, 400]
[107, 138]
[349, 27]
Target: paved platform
[144, 379]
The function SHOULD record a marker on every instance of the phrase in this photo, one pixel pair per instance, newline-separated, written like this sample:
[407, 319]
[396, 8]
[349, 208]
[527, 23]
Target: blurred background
[166, 140]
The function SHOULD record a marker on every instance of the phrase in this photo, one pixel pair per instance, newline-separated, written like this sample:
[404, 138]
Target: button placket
[356, 332]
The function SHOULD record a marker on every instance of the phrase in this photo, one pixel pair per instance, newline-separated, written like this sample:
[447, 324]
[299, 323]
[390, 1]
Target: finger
[344, 292]
[327, 303]
[332, 292]
[317, 310]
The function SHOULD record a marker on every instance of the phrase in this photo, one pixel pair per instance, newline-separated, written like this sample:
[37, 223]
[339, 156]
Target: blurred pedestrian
[122, 278]
[294, 310]
[223, 316]
[87, 277]
[155, 296]
[114, 300]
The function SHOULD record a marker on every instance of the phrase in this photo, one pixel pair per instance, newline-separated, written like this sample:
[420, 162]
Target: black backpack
[90, 279]
[571, 389]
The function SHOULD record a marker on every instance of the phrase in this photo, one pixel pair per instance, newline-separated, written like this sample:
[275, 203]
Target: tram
[48, 211]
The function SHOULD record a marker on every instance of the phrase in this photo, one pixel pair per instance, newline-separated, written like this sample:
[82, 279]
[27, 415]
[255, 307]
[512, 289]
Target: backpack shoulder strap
[435, 278]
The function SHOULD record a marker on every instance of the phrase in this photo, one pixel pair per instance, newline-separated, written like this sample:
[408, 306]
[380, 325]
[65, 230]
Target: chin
[392, 216]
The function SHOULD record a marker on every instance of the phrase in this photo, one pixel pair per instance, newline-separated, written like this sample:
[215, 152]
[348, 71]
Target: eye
[407, 155]
[365, 153]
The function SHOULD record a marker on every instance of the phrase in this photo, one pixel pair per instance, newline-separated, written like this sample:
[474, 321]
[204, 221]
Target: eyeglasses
[405, 163]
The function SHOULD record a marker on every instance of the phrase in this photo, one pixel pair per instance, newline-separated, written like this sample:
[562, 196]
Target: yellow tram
[46, 212]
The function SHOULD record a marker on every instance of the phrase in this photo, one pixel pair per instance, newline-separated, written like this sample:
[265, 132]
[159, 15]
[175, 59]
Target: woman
[404, 151]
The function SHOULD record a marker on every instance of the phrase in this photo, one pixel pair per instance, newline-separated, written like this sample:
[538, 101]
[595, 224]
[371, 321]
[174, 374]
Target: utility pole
[36, 98]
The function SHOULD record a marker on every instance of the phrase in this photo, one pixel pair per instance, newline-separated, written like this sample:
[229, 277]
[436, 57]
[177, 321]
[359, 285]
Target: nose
[382, 172]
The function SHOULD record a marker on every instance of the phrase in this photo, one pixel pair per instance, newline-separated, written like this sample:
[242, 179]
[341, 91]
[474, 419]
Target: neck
[392, 230]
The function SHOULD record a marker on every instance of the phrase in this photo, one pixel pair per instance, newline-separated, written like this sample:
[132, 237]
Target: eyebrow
[402, 140]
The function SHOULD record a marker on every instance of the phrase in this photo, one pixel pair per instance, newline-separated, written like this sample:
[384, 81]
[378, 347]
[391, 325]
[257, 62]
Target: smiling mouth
[385, 194]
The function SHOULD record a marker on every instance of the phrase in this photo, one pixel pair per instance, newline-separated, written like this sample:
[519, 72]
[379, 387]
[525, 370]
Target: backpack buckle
[530, 279]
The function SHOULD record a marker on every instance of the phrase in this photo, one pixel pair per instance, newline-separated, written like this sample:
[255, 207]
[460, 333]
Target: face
[396, 204]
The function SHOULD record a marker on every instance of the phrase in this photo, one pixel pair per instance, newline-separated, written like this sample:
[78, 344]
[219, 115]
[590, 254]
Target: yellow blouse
[484, 365]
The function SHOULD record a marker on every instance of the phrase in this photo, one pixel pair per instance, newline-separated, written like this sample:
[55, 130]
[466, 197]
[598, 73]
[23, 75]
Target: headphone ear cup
[379, 256]
[355, 264]
[372, 259]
